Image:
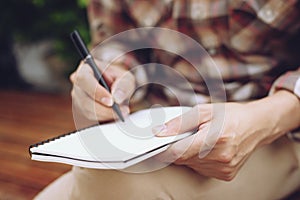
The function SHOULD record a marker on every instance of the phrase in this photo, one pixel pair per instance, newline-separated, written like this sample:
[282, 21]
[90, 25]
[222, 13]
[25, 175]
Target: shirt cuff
[294, 135]
[289, 81]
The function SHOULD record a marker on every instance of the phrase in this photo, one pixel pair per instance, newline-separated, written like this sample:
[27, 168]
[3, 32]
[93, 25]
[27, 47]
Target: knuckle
[73, 93]
[228, 153]
[226, 157]
[225, 177]
[226, 171]
[227, 138]
[80, 77]
[177, 155]
[228, 177]
[72, 77]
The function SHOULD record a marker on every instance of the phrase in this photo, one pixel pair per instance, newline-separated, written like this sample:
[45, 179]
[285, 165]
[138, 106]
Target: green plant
[35, 20]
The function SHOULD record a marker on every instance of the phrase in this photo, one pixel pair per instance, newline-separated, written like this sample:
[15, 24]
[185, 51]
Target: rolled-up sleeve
[289, 81]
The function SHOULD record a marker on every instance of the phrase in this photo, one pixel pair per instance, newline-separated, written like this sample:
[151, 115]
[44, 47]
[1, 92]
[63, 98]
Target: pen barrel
[90, 61]
[116, 108]
[80, 46]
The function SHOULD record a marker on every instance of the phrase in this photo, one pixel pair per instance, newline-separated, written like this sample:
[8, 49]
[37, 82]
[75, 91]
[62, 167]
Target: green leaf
[82, 3]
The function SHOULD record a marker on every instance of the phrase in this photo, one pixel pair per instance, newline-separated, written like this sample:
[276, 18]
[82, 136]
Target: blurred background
[36, 50]
[36, 59]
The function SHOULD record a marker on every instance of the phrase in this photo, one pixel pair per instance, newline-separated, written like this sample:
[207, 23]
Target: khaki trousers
[272, 172]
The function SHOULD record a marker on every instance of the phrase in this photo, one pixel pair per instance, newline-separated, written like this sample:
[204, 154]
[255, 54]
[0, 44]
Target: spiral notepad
[115, 145]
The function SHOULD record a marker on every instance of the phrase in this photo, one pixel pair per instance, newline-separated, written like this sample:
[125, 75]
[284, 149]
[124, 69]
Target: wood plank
[37, 115]
[27, 118]
[27, 175]
[13, 152]
[12, 191]
[31, 131]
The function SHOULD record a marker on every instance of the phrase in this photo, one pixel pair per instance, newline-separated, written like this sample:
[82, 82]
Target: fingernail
[125, 111]
[160, 130]
[107, 101]
[119, 96]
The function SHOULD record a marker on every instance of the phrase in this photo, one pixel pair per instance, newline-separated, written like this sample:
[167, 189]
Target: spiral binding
[57, 137]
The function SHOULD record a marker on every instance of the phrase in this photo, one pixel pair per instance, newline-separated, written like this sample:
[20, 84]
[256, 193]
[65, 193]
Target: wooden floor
[27, 118]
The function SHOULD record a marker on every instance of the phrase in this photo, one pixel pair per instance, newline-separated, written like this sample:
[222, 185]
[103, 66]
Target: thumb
[123, 87]
[188, 121]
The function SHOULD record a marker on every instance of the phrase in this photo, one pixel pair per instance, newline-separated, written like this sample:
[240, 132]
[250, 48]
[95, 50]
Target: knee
[112, 184]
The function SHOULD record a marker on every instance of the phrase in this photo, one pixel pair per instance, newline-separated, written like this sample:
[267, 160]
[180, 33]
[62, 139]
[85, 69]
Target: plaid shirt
[248, 41]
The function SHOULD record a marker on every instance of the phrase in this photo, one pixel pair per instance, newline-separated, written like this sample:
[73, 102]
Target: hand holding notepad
[114, 145]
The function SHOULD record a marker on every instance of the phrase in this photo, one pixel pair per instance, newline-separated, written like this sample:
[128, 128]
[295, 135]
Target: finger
[186, 122]
[123, 87]
[221, 147]
[73, 77]
[176, 150]
[84, 78]
[218, 170]
[212, 173]
[183, 150]
[189, 149]
[93, 110]
[88, 106]
[83, 103]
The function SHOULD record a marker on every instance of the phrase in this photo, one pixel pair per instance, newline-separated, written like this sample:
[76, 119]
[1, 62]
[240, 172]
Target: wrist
[275, 115]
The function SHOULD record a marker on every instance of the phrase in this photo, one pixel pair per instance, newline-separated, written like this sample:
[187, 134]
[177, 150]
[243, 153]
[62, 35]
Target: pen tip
[121, 118]
[118, 112]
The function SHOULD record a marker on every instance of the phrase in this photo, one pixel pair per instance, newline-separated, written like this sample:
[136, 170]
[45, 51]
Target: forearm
[276, 115]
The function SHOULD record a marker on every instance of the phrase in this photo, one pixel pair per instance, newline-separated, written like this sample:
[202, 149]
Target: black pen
[88, 58]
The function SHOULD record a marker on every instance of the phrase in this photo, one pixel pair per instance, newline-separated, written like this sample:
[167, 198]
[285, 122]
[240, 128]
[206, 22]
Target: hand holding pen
[92, 93]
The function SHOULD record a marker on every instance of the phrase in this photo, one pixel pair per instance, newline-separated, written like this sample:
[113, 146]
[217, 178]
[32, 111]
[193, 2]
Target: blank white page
[118, 141]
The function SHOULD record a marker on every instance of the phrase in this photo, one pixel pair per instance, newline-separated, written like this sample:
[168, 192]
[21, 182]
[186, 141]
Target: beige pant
[272, 172]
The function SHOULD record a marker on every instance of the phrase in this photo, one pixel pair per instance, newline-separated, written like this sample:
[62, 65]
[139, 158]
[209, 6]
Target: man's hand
[94, 101]
[228, 133]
